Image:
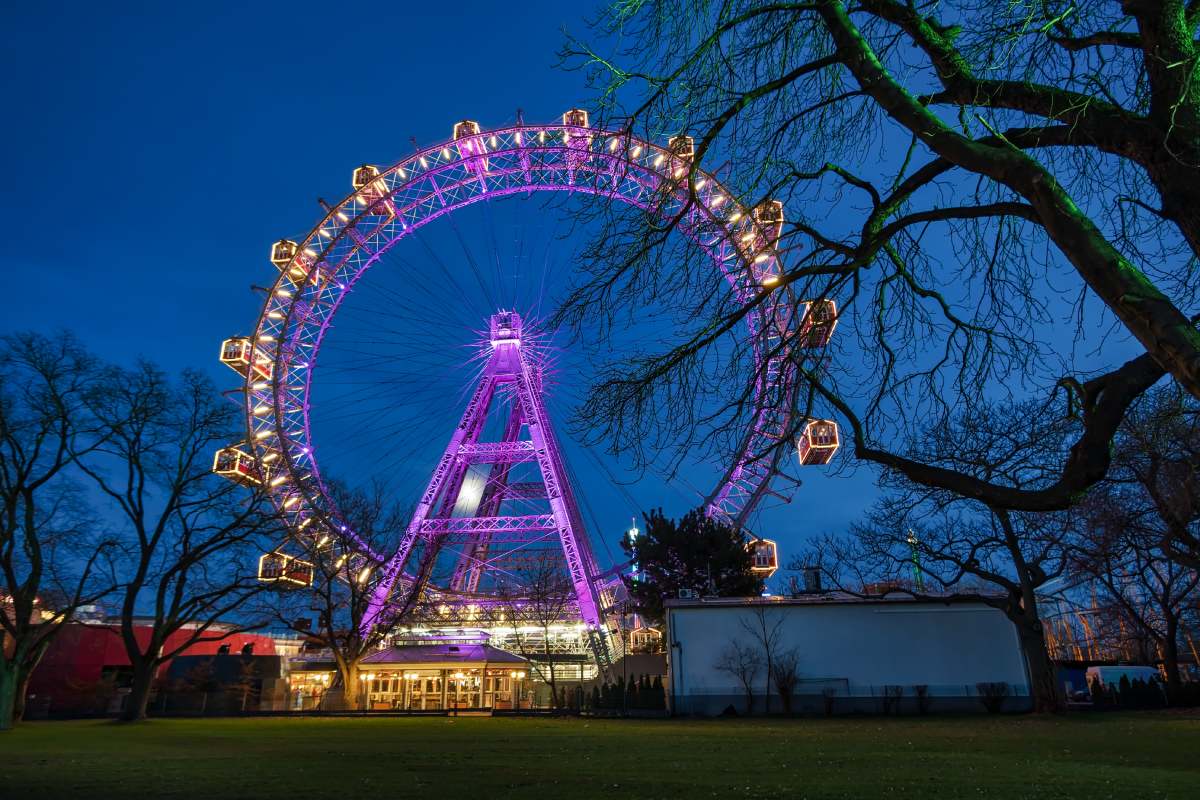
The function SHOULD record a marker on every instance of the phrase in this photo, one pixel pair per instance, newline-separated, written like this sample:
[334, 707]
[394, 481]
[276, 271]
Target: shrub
[924, 701]
[891, 698]
[992, 695]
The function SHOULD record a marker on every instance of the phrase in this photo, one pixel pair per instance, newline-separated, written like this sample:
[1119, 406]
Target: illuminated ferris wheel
[317, 272]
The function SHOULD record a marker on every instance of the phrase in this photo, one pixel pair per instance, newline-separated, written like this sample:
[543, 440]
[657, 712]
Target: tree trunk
[1170, 654]
[9, 683]
[139, 693]
[23, 690]
[1043, 688]
[350, 684]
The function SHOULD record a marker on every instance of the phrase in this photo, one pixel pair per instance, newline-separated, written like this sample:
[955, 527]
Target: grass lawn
[1140, 755]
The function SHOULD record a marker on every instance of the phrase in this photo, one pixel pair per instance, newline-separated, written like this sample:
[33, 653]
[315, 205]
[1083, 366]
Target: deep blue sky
[151, 154]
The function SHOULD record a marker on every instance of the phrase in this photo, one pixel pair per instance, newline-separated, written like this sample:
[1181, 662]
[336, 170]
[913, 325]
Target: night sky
[152, 153]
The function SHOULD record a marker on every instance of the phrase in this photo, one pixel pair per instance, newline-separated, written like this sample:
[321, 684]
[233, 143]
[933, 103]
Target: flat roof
[826, 599]
[443, 653]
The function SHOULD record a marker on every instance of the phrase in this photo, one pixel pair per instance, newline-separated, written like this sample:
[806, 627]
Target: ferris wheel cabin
[818, 443]
[817, 324]
[371, 190]
[765, 557]
[240, 354]
[364, 176]
[466, 134]
[299, 263]
[237, 465]
[575, 118]
[465, 128]
[768, 216]
[683, 150]
[278, 567]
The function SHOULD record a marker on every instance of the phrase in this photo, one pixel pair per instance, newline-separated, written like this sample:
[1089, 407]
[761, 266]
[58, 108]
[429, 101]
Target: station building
[854, 654]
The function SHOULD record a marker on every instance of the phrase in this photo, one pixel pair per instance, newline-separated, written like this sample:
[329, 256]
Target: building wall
[853, 649]
[69, 673]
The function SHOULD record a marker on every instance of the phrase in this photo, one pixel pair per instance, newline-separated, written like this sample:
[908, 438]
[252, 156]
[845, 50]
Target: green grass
[1085, 756]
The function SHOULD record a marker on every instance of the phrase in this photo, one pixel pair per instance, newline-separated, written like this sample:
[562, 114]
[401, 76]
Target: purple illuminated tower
[467, 507]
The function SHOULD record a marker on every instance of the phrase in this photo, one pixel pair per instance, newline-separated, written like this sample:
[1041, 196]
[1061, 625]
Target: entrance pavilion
[435, 677]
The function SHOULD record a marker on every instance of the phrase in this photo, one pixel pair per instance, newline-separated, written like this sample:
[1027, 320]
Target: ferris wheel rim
[337, 225]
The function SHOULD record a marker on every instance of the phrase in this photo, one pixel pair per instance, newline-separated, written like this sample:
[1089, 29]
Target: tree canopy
[1001, 198]
[697, 554]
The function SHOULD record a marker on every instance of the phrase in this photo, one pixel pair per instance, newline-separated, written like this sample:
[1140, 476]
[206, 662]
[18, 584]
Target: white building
[853, 654]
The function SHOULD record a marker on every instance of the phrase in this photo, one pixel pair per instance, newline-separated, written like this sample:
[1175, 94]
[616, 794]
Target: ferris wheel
[387, 205]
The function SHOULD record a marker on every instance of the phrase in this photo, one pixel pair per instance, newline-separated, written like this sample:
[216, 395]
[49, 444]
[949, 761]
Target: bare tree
[1131, 575]
[51, 561]
[765, 627]
[936, 542]
[1000, 197]
[787, 677]
[191, 539]
[539, 597]
[330, 612]
[1155, 481]
[742, 662]
[995, 556]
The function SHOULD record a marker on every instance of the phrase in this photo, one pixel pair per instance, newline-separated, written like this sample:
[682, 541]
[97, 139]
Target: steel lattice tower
[527, 437]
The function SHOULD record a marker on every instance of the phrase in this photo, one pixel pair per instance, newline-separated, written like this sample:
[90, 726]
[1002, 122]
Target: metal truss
[527, 523]
[509, 364]
[497, 452]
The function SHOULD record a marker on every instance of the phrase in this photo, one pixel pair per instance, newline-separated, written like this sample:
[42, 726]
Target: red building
[86, 667]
